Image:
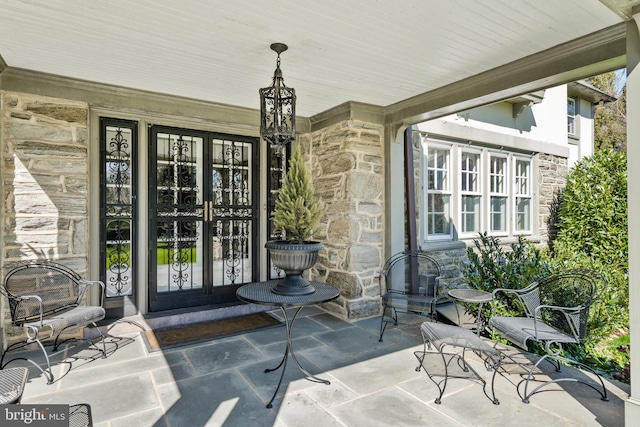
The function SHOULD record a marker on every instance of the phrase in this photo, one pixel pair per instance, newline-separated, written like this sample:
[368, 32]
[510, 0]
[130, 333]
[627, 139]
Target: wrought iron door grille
[179, 212]
[232, 211]
[117, 249]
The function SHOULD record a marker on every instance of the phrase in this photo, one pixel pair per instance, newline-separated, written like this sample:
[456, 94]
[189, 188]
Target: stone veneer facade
[44, 182]
[552, 173]
[348, 173]
[44, 179]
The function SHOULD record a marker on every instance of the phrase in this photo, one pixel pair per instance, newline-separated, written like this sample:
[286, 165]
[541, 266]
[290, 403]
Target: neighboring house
[499, 168]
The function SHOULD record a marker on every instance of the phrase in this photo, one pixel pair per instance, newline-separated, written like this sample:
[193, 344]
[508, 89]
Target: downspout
[410, 204]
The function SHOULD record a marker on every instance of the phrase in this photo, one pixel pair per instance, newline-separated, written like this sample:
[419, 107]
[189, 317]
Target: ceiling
[372, 51]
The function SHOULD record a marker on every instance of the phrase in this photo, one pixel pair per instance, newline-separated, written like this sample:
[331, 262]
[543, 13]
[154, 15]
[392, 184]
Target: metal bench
[47, 299]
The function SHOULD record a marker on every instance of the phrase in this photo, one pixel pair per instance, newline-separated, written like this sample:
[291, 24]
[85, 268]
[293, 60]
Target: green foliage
[610, 119]
[297, 213]
[492, 265]
[592, 233]
[593, 211]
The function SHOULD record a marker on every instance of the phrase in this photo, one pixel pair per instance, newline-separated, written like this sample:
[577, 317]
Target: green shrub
[492, 265]
[593, 211]
[592, 233]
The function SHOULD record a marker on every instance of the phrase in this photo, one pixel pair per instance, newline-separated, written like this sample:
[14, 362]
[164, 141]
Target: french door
[203, 217]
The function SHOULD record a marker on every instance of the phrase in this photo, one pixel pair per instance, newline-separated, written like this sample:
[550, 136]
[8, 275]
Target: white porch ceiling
[372, 51]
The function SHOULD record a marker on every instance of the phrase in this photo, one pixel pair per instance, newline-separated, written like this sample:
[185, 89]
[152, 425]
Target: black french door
[203, 217]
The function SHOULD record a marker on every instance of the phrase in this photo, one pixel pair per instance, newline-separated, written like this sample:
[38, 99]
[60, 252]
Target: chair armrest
[394, 292]
[28, 297]
[568, 312]
[511, 293]
[515, 291]
[84, 284]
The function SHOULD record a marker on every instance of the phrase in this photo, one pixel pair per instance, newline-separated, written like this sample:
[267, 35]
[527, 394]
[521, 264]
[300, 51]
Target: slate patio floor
[222, 383]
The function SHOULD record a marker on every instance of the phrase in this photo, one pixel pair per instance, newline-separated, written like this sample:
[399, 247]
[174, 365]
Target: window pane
[497, 174]
[498, 214]
[523, 214]
[522, 177]
[438, 217]
[438, 169]
[470, 214]
[571, 107]
[469, 171]
[118, 158]
[571, 114]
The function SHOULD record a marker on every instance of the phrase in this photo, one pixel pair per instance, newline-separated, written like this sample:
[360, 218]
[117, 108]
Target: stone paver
[222, 382]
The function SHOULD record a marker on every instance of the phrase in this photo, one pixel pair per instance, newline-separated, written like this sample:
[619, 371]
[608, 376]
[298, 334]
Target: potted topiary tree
[296, 214]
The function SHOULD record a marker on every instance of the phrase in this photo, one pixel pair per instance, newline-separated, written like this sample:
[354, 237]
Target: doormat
[164, 338]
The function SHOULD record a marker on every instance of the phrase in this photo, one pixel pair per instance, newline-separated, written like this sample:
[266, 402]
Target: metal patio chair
[409, 283]
[556, 311]
[47, 299]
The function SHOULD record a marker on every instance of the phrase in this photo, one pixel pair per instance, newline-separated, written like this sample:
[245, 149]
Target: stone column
[347, 168]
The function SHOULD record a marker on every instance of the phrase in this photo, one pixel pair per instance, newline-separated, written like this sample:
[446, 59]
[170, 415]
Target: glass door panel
[118, 144]
[232, 212]
[178, 252]
[204, 217]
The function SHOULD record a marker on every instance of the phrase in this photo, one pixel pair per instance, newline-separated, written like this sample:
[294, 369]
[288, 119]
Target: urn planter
[293, 259]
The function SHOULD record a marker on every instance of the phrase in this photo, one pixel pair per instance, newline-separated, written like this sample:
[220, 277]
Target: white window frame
[478, 192]
[522, 193]
[512, 189]
[503, 194]
[571, 118]
[446, 191]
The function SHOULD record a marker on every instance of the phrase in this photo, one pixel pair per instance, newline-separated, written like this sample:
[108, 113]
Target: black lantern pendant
[278, 108]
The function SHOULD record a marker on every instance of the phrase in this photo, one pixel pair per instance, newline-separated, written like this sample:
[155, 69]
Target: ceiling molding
[117, 98]
[623, 8]
[593, 54]
[350, 110]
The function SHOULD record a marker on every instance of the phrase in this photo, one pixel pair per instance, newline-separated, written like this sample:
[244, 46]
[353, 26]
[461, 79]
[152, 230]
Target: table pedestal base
[289, 352]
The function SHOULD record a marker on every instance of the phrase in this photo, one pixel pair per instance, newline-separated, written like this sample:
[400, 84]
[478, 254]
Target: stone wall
[348, 174]
[44, 180]
[552, 173]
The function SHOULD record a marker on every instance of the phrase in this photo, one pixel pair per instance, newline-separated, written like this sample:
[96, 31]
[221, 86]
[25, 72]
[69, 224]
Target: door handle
[206, 212]
[210, 210]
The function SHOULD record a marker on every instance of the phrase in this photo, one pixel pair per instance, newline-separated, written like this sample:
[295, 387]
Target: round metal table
[260, 293]
[474, 296]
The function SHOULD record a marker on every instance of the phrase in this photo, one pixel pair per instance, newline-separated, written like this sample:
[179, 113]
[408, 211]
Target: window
[571, 116]
[522, 195]
[438, 193]
[469, 189]
[498, 194]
